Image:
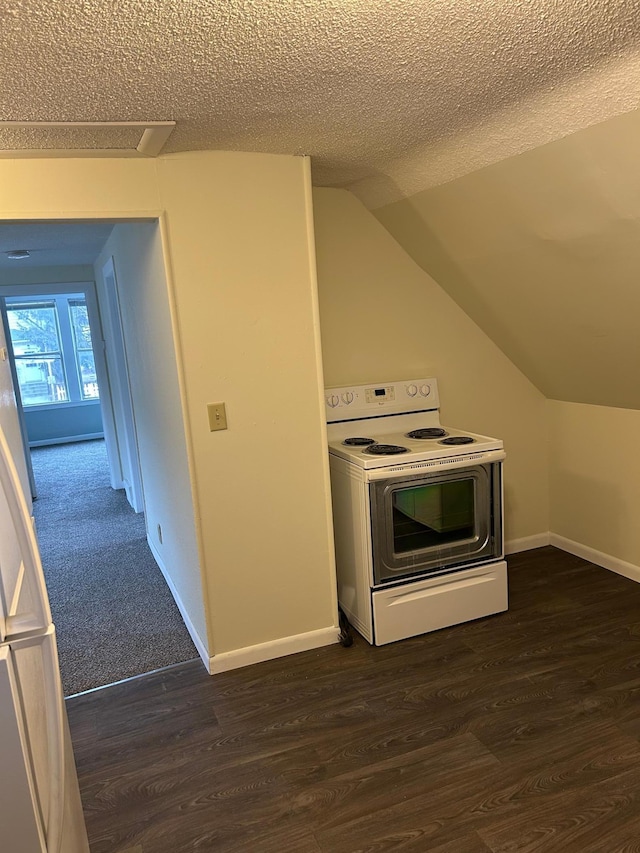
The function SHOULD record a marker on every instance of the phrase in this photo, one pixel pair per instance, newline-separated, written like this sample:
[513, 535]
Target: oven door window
[424, 524]
[433, 514]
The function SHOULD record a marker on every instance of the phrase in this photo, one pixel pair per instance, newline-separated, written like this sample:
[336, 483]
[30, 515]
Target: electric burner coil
[385, 449]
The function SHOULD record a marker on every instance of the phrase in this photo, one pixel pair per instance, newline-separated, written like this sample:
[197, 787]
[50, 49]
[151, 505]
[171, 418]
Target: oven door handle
[450, 463]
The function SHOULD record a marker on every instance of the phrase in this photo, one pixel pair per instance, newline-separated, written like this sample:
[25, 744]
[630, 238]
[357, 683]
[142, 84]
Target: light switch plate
[217, 416]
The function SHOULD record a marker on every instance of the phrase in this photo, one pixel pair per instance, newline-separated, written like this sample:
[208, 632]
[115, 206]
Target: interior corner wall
[136, 248]
[595, 483]
[384, 318]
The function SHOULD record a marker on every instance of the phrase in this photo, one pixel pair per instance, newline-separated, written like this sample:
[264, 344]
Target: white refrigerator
[40, 807]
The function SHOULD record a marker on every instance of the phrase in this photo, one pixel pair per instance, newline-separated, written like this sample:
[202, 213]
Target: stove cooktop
[382, 450]
[393, 424]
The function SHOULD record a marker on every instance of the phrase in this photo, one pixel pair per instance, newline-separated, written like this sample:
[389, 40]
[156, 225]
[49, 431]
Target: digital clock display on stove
[379, 395]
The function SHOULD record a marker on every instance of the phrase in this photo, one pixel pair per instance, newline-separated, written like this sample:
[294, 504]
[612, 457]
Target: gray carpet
[113, 611]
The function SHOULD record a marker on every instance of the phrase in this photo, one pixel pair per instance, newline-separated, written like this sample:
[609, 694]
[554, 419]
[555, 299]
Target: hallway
[114, 614]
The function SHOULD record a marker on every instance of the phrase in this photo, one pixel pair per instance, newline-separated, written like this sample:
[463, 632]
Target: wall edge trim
[527, 543]
[273, 649]
[197, 640]
[605, 561]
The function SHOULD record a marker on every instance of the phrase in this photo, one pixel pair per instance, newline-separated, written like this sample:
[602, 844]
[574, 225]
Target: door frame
[117, 364]
[4, 319]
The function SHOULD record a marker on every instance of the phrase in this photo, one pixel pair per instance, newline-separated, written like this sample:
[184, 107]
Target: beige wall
[146, 318]
[241, 251]
[542, 250]
[595, 478]
[241, 270]
[382, 317]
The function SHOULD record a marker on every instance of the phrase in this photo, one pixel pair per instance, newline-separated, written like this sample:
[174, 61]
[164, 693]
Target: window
[51, 342]
[85, 361]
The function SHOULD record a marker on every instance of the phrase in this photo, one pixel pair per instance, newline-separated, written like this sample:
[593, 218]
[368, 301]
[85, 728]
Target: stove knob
[347, 397]
[425, 390]
[412, 390]
[333, 401]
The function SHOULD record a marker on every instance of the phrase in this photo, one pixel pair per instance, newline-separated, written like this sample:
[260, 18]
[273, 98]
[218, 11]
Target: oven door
[424, 524]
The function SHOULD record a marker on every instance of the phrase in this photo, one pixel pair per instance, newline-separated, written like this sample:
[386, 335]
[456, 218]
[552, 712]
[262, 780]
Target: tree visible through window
[84, 353]
[51, 342]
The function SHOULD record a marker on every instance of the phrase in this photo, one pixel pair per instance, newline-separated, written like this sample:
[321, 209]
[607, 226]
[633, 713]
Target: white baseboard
[606, 561]
[251, 654]
[273, 649]
[197, 639]
[67, 439]
[527, 543]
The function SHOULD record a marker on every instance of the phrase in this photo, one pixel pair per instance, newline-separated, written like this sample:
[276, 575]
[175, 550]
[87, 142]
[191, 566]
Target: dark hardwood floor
[520, 732]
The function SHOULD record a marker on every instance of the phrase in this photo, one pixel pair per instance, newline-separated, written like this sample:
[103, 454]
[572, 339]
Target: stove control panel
[362, 401]
[380, 395]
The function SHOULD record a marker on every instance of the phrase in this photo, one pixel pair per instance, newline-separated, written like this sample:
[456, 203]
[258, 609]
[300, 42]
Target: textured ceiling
[58, 138]
[368, 89]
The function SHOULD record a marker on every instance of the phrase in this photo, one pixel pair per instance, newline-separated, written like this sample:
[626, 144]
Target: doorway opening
[114, 614]
[114, 610]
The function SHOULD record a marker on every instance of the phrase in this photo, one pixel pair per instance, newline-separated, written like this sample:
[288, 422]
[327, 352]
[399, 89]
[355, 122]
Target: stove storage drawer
[439, 602]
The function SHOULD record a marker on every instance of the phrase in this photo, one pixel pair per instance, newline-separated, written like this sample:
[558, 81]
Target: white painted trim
[68, 439]
[197, 640]
[606, 561]
[273, 649]
[527, 543]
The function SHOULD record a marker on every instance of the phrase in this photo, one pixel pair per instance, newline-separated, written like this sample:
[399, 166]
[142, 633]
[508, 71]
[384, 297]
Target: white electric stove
[417, 512]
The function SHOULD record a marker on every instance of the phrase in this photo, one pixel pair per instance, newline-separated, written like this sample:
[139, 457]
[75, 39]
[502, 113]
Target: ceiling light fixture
[18, 254]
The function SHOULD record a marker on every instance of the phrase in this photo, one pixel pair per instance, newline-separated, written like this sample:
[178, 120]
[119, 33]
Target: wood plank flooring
[520, 732]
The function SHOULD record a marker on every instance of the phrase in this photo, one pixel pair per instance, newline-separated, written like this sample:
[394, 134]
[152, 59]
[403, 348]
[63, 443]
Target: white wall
[384, 318]
[137, 254]
[595, 483]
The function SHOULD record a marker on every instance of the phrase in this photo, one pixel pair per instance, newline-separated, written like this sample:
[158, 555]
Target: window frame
[68, 351]
[46, 303]
[73, 301]
[46, 290]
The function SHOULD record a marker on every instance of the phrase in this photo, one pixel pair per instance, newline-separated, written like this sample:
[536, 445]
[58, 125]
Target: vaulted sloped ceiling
[368, 89]
[543, 251]
[496, 139]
